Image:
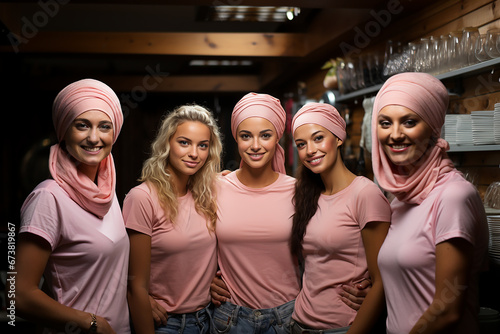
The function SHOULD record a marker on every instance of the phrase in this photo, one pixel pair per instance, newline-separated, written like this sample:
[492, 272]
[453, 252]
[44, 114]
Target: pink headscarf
[264, 106]
[426, 96]
[72, 101]
[322, 114]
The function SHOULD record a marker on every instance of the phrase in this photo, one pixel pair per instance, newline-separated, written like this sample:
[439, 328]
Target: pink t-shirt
[183, 254]
[334, 253]
[407, 259]
[87, 269]
[253, 232]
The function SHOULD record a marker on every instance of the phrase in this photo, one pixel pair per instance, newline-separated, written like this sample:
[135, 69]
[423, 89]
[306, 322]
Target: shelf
[473, 148]
[465, 71]
[491, 211]
[471, 70]
[372, 90]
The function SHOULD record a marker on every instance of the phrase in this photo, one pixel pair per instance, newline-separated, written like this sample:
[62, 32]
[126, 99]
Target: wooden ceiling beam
[195, 83]
[196, 44]
[137, 86]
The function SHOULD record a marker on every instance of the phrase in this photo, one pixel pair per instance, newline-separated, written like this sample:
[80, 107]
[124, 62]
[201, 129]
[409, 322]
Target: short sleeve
[459, 212]
[372, 205]
[39, 216]
[138, 211]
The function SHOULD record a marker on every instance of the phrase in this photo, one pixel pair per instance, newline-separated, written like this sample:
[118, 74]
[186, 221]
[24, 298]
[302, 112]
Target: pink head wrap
[264, 106]
[82, 96]
[322, 114]
[72, 101]
[427, 97]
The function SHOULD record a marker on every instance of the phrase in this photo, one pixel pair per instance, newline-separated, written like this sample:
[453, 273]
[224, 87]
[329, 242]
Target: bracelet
[93, 324]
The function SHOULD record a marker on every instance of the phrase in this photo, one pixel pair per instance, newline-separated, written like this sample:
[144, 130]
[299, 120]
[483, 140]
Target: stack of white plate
[482, 127]
[496, 123]
[450, 128]
[464, 130]
[494, 242]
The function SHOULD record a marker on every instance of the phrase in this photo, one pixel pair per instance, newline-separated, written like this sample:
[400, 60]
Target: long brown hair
[308, 189]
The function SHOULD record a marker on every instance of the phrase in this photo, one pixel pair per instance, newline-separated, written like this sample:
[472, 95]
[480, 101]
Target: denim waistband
[204, 312]
[279, 313]
[298, 328]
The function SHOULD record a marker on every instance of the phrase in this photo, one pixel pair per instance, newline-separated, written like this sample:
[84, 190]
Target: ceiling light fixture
[199, 62]
[253, 13]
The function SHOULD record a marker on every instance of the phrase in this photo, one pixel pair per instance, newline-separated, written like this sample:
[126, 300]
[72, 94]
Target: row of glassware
[441, 54]
[358, 72]
[432, 54]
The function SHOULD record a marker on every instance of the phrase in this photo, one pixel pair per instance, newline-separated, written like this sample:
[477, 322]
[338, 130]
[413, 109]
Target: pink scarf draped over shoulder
[72, 101]
[427, 97]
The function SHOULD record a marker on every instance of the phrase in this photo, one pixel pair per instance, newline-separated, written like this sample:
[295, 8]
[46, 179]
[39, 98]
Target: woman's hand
[353, 296]
[159, 313]
[219, 290]
[103, 327]
[225, 172]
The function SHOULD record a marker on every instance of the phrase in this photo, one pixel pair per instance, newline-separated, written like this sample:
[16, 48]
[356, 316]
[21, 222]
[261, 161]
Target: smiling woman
[405, 136]
[438, 239]
[256, 141]
[170, 218]
[262, 286]
[189, 149]
[339, 225]
[89, 140]
[72, 229]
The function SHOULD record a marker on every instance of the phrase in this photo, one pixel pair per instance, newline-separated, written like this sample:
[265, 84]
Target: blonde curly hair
[201, 184]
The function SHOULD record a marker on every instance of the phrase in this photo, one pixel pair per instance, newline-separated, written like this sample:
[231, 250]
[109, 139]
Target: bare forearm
[370, 310]
[36, 306]
[436, 319]
[453, 265]
[140, 310]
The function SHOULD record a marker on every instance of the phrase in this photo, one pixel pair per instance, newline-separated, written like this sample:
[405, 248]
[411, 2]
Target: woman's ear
[339, 142]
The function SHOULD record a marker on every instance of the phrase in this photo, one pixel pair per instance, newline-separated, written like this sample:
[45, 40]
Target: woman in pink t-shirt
[339, 225]
[170, 218]
[254, 226]
[72, 229]
[438, 238]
